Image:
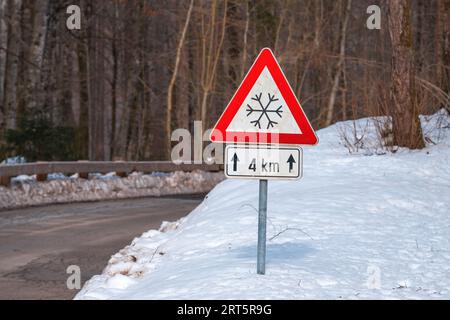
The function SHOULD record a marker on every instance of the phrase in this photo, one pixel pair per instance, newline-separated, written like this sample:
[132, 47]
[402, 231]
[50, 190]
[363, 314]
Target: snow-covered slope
[355, 227]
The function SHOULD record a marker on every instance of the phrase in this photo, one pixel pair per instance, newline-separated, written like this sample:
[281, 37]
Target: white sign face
[263, 162]
[264, 110]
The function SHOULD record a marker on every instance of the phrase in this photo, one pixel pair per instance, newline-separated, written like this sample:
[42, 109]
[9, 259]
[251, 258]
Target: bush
[37, 140]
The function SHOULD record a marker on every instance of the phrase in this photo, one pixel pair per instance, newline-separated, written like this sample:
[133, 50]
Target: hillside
[357, 226]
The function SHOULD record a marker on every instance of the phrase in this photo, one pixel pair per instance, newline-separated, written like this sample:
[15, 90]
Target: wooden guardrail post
[5, 181]
[122, 174]
[41, 177]
[83, 175]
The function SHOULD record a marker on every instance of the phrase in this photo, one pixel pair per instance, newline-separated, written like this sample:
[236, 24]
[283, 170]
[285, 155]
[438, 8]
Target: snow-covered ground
[26, 191]
[357, 226]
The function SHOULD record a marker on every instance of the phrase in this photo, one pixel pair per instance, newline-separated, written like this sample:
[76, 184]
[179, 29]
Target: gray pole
[262, 218]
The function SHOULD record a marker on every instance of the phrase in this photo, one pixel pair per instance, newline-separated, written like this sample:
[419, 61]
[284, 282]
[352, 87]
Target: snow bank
[26, 191]
[14, 160]
[355, 227]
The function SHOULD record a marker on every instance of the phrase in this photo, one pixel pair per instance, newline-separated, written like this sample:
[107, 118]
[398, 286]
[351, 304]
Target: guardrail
[83, 168]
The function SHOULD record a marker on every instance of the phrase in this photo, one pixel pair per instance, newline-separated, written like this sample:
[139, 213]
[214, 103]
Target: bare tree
[35, 51]
[245, 40]
[11, 65]
[174, 76]
[3, 48]
[211, 49]
[405, 114]
[137, 68]
[442, 37]
[340, 65]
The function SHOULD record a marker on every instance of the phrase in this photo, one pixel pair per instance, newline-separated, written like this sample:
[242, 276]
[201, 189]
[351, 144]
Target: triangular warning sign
[264, 109]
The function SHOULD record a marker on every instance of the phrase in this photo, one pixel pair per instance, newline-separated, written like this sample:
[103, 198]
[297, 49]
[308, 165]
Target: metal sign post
[262, 223]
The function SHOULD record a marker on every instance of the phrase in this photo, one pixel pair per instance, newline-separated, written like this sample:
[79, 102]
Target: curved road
[38, 244]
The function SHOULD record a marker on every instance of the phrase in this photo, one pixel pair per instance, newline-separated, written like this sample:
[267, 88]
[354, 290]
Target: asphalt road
[38, 244]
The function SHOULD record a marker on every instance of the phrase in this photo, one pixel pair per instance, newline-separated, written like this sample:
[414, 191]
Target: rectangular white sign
[263, 162]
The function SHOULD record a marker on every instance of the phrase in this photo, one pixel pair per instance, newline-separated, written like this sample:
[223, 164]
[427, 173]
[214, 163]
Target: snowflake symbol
[264, 110]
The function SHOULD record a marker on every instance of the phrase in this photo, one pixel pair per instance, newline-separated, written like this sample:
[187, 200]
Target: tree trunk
[11, 65]
[245, 41]
[3, 50]
[339, 67]
[443, 45]
[35, 54]
[405, 114]
[182, 93]
[212, 59]
[174, 78]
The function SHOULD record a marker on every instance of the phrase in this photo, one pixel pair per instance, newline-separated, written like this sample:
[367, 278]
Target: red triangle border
[264, 59]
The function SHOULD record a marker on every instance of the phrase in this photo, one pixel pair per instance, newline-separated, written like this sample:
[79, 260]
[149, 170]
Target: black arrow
[235, 161]
[291, 162]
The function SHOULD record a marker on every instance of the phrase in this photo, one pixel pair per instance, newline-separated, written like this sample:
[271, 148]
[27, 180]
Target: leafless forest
[138, 69]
